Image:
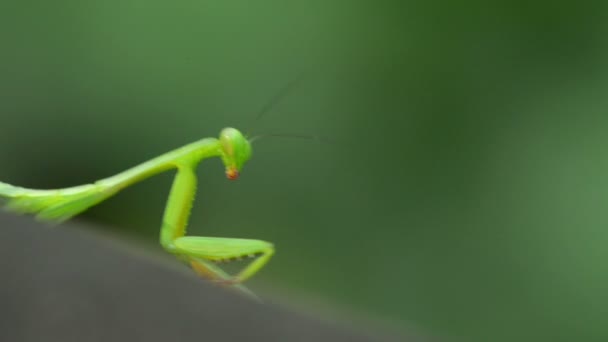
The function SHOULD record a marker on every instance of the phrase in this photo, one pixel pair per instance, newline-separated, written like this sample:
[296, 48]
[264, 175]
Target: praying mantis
[201, 253]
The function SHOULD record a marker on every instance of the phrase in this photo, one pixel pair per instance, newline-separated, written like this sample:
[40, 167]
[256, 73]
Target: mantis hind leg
[205, 252]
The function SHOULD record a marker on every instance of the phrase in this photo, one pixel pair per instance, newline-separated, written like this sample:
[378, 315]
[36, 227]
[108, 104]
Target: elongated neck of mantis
[188, 155]
[61, 204]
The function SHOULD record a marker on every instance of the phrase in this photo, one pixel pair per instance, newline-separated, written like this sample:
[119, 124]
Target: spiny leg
[200, 252]
[214, 249]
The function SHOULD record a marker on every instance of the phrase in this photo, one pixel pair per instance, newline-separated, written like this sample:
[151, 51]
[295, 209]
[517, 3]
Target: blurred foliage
[466, 194]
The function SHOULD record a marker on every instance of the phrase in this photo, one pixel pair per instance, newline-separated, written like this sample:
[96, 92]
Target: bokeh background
[465, 189]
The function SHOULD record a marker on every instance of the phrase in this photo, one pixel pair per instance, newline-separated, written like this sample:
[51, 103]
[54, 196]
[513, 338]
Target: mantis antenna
[280, 95]
[316, 138]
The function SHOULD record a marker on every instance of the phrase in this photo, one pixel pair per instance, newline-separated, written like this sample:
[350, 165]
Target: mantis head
[236, 150]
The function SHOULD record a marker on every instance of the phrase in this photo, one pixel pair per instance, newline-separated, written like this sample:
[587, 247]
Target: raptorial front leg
[175, 221]
[219, 250]
[203, 253]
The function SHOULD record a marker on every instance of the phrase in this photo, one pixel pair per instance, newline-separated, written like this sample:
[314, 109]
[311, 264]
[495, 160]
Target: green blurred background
[466, 195]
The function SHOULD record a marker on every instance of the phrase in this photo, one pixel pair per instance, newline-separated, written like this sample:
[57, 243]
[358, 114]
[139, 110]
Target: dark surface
[70, 285]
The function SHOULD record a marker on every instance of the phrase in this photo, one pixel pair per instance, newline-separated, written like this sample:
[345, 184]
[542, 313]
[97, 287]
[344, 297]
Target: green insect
[201, 253]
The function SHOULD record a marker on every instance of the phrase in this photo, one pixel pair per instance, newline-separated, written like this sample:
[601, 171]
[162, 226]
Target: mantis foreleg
[200, 252]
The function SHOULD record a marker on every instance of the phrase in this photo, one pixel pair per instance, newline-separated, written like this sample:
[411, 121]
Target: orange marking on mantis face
[232, 173]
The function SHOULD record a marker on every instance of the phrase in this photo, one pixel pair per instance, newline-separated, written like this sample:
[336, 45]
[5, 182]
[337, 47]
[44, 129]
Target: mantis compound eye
[232, 174]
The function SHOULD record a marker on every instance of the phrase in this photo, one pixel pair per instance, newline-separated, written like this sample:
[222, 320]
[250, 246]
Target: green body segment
[60, 204]
[201, 253]
[53, 205]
